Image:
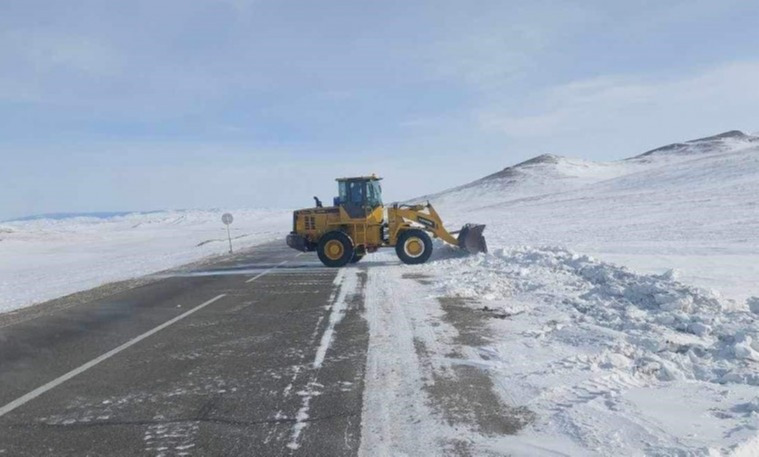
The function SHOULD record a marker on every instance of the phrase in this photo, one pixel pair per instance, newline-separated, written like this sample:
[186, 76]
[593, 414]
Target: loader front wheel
[414, 246]
[335, 249]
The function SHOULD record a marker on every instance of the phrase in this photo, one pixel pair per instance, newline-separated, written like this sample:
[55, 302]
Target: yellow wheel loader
[358, 223]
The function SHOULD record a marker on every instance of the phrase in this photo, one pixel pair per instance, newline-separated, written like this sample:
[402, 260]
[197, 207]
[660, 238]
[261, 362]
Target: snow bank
[679, 331]
[45, 259]
[615, 361]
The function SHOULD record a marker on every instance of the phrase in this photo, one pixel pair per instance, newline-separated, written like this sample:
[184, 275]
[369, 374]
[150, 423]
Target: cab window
[356, 192]
[374, 194]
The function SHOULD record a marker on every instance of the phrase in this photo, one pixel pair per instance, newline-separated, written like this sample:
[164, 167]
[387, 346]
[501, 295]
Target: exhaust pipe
[471, 238]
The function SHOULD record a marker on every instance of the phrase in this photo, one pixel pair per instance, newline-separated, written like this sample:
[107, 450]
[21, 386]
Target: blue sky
[138, 105]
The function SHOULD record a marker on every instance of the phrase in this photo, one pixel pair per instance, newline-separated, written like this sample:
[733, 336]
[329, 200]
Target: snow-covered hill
[44, 258]
[548, 174]
[693, 206]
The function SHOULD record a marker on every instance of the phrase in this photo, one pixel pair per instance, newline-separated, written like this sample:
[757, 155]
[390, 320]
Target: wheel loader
[358, 223]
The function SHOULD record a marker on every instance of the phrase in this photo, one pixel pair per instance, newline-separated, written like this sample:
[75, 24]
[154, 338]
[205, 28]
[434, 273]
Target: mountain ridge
[549, 173]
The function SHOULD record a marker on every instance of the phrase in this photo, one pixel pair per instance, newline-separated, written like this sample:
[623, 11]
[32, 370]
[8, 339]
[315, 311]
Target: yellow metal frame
[366, 232]
[424, 215]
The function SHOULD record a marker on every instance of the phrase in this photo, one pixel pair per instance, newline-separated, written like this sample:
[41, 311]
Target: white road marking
[347, 283]
[314, 335]
[60, 380]
[272, 268]
[267, 271]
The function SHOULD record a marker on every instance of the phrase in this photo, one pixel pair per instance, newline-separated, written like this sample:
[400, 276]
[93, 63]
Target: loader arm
[424, 215]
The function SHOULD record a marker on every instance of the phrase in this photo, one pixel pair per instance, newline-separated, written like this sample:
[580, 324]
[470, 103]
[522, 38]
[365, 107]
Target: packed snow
[46, 258]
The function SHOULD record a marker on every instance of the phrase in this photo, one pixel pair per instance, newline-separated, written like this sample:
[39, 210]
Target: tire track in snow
[395, 419]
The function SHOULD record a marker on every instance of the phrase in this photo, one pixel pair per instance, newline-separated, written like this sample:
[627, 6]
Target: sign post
[227, 219]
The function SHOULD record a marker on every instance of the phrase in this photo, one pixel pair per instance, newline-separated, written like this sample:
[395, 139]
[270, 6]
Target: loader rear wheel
[335, 249]
[414, 247]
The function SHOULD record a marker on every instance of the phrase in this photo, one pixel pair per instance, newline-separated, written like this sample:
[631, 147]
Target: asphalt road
[261, 354]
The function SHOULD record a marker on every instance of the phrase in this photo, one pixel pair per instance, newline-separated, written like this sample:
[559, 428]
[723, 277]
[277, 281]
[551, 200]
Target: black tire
[410, 257]
[327, 249]
[357, 257]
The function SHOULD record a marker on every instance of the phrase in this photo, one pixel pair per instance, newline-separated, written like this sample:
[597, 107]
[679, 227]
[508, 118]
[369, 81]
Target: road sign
[227, 219]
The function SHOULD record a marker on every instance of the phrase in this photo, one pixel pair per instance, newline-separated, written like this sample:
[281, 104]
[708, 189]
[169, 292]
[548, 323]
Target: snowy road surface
[521, 352]
[270, 366]
[262, 354]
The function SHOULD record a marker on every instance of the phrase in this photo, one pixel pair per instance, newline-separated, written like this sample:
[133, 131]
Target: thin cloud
[726, 92]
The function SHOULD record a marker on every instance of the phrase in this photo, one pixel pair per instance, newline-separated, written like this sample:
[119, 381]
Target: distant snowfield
[45, 259]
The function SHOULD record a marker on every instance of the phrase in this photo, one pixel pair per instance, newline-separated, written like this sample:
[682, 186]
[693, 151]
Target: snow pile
[591, 348]
[683, 328]
[42, 259]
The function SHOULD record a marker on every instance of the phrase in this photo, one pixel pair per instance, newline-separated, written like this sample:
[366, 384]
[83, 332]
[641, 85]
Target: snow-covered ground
[46, 258]
[691, 206]
[588, 358]
[651, 348]
[616, 313]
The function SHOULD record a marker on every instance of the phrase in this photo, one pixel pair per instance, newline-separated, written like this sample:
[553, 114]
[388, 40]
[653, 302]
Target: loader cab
[359, 196]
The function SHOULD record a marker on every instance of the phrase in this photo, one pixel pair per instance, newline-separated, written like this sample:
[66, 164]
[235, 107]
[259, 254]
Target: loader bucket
[471, 239]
